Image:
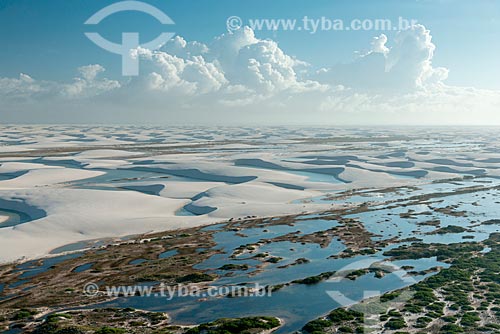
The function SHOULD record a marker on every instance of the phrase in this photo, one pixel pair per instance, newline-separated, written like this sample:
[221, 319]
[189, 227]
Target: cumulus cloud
[88, 84]
[179, 47]
[410, 60]
[237, 59]
[26, 89]
[378, 44]
[242, 77]
[188, 76]
[404, 67]
[257, 64]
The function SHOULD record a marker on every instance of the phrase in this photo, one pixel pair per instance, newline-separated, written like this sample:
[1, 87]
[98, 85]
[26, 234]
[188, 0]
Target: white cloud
[90, 72]
[233, 59]
[178, 47]
[192, 75]
[241, 77]
[24, 88]
[378, 44]
[404, 67]
[410, 60]
[88, 84]
[444, 105]
[257, 64]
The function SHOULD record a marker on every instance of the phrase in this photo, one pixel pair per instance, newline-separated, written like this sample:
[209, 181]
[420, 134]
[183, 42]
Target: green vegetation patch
[315, 279]
[230, 326]
[195, 278]
[231, 266]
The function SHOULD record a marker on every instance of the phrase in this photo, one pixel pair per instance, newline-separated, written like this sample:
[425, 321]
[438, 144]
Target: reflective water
[298, 304]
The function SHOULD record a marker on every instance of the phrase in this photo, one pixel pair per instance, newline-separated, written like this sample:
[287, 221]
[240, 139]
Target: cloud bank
[240, 78]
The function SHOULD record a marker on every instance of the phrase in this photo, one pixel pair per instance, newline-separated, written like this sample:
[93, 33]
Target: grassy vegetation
[449, 229]
[464, 298]
[347, 321]
[274, 259]
[443, 252]
[195, 278]
[315, 279]
[230, 326]
[23, 314]
[231, 266]
[110, 330]
[131, 321]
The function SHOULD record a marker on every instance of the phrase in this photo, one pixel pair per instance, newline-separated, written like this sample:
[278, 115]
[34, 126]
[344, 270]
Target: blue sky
[444, 70]
[45, 37]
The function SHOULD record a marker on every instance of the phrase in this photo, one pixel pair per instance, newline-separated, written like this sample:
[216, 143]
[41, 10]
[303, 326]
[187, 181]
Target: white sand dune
[256, 192]
[235, 172]
[362, 178]
[47, 176]
[79, 214]
[176, 189]
[12, 167]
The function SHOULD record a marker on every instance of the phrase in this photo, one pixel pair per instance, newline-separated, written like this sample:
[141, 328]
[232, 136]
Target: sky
[442, 70]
